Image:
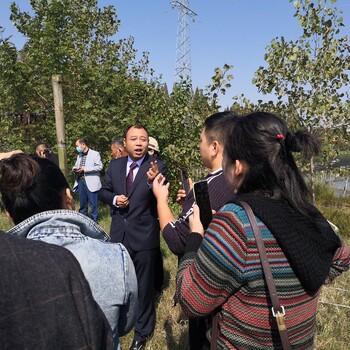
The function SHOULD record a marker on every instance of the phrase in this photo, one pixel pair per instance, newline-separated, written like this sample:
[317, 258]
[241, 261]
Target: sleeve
[127, 313]
[176, 233]
[96, 164]
[106, 193]
[340, 264]
[97, 331]
[163, 169]
[76, 165]
[200, 289]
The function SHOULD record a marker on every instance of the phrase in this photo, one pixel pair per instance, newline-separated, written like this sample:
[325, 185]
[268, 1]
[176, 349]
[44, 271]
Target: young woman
[221, 269]
[37, 197]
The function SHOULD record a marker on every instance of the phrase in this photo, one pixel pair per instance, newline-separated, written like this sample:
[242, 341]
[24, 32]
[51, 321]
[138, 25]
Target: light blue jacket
[107, 266]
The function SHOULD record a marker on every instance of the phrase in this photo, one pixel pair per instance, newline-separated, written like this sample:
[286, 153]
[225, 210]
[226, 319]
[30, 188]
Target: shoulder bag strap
[214, 330]
[277, 309]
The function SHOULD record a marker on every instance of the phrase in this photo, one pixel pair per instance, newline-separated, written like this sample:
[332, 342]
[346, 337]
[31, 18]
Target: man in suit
[87, 182]
[118, 148]
[127, 188]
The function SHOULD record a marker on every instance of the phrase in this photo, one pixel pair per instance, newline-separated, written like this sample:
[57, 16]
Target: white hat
[153, 144]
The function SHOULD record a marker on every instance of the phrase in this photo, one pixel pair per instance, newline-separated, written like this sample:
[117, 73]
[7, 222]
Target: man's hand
[79, 170]
[152, 172]
[122, 201]
[195, 221]
[181, 195]
[161, 191]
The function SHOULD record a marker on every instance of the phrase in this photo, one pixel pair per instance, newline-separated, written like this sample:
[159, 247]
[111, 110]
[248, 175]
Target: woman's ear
[240, 168]
[69, 200]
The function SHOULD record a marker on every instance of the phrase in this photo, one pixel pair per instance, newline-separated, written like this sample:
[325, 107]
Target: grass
[333, 318]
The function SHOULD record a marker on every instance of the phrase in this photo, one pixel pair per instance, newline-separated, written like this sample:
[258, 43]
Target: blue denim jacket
[107, 266]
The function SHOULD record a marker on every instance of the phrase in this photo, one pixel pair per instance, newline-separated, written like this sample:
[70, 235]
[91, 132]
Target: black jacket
[45, 300]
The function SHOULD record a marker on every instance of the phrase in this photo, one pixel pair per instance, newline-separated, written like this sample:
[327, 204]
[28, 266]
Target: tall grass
[333, 319]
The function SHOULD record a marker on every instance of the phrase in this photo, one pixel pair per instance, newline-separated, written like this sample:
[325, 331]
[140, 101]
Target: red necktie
[130, 177]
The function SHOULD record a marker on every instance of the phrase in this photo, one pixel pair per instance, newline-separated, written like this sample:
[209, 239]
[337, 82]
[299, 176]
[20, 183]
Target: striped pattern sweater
[226, 272]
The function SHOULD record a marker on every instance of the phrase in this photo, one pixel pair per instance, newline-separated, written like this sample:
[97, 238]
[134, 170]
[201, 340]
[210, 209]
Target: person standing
[43, 150]
[37, 198]
[45, 299]
[153, 147]
[127, 188]
[177, 231]
[87, 183]
[154, 151]
[222, 271]
[118, 148]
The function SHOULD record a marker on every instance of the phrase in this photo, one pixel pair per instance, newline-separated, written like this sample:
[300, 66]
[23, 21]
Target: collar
[62, 217]
[139, 162]
[217, 171]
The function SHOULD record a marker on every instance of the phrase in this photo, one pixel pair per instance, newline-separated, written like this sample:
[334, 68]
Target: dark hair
[117, 141]
[216, 125]
[137, 126]
[42, 143]
[263, 141]
[30, 185]
[82, 140]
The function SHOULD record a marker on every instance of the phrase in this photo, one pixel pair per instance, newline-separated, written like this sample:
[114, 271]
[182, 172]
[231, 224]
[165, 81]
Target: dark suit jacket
[139, 221]
[45, 300]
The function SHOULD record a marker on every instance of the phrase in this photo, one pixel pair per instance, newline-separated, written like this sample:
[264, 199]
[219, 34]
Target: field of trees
[106, 88]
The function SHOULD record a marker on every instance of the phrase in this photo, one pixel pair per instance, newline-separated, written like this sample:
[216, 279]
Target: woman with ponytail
[221, 269]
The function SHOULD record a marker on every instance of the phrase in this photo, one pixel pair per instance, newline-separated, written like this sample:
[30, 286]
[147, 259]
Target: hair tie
[280, 139]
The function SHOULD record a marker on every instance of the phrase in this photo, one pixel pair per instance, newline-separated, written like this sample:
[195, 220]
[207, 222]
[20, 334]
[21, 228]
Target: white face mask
[79, 149]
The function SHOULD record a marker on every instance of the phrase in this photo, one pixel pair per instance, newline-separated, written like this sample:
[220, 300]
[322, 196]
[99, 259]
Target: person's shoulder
[93, 151]
[119, 161]
[22, 245]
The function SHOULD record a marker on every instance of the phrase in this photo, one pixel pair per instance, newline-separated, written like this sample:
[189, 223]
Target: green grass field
[333, 319]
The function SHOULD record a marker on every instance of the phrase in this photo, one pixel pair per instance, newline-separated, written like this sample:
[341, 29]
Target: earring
[235, 191]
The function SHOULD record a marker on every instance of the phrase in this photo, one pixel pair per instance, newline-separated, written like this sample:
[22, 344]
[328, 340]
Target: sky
[235, 32]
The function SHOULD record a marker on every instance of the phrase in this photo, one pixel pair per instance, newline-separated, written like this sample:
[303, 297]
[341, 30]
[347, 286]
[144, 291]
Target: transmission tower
[183, 43]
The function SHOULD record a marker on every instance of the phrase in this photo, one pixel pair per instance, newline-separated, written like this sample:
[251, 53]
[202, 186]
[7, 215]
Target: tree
[311, 75]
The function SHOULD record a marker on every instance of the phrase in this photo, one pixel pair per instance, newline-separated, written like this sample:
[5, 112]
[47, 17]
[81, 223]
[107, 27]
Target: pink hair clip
[280, 137]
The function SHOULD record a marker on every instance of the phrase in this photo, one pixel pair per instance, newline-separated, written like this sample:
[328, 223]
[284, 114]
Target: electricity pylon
[183, 43]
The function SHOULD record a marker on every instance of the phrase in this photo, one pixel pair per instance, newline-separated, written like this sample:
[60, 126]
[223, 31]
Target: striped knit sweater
[226, 272]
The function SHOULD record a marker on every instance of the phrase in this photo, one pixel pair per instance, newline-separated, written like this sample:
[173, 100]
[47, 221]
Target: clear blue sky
[235, 32]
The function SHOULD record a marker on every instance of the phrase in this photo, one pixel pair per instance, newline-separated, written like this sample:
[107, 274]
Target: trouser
[197, 329]
[144, 262]
[86, 197]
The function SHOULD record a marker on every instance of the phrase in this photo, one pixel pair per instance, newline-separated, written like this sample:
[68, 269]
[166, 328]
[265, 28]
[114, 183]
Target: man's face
[115, 151]
[204, 149]
[40, 151]
[136, 143]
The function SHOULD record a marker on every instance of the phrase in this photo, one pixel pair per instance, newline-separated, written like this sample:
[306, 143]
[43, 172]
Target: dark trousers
[144, 262]
[197, 329]
[86, 197]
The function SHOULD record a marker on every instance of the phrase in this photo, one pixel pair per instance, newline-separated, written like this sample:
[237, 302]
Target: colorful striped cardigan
[226, 273]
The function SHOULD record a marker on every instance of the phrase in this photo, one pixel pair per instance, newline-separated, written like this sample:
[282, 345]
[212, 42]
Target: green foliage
[310, 76]
[105, 87]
